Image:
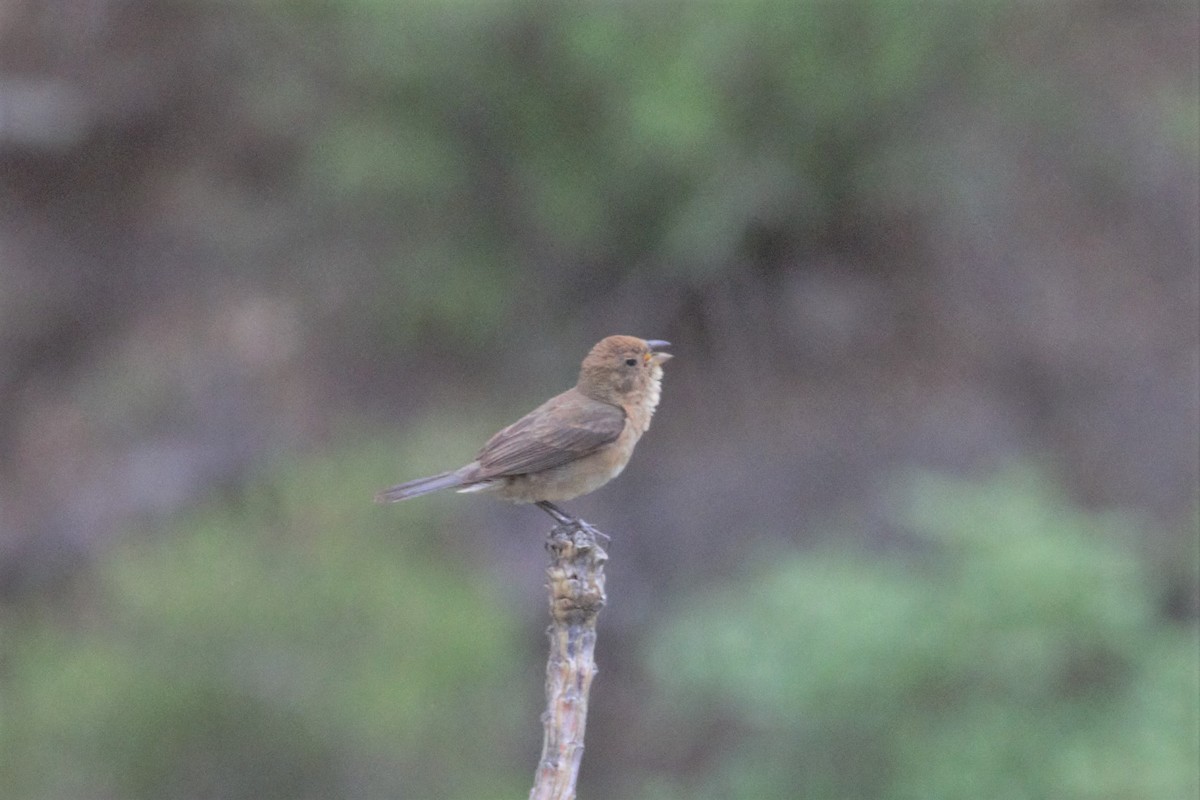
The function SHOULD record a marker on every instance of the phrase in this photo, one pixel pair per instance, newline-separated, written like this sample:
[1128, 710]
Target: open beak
[655, 344]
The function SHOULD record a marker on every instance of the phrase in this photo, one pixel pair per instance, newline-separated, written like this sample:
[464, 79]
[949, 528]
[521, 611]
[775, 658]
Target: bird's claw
[567, 521]
[595, 533]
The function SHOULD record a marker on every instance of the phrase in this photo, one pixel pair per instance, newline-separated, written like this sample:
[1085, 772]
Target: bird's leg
[563, 518]
[560, 516]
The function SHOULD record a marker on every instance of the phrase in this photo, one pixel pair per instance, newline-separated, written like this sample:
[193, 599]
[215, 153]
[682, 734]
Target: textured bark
[575, 578]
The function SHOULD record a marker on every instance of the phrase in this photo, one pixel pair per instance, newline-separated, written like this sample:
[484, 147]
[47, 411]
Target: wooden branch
[576, 583]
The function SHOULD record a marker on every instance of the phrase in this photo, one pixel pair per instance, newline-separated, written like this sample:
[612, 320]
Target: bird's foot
[566, 520]
[594, 532]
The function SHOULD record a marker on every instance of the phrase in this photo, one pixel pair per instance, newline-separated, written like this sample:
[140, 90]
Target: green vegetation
[528, 144]
[296, 643]
[1014, 652]
[882, 233]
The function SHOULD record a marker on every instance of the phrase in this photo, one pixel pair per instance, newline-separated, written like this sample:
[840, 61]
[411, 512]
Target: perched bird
[570, 445]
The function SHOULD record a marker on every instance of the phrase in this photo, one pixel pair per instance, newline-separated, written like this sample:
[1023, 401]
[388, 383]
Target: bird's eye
[631, 362]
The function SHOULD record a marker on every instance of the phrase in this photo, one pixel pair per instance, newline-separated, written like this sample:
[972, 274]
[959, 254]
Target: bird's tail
[434, 483]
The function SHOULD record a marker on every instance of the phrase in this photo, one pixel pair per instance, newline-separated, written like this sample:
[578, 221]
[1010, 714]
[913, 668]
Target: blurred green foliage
[1015, 652]
[525, 145]
[296, 642]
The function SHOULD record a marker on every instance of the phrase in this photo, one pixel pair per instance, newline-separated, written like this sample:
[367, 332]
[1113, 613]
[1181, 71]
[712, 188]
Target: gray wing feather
[553, 435]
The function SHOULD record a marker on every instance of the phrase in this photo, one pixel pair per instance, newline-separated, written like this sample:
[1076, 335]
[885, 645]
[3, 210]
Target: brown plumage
[572, 444]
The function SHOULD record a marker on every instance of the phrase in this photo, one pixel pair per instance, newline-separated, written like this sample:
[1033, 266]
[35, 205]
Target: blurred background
[917, 517]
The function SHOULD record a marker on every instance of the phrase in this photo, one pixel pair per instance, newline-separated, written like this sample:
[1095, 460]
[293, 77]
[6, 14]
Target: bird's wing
[561, 430]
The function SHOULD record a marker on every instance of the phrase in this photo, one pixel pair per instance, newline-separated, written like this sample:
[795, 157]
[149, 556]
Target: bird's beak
[655, 344]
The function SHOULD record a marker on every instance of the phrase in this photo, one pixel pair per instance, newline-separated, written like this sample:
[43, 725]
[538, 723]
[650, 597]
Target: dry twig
[576, 583]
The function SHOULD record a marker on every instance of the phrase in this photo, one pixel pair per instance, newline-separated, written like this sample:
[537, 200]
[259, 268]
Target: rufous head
[624, 369]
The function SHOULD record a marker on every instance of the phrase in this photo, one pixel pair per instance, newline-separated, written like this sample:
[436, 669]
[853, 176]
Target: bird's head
[624, 369]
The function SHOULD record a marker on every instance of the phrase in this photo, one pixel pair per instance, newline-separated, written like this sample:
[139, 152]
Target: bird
[570, 445]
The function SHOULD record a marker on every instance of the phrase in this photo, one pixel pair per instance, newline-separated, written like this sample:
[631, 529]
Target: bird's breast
[640, 408]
